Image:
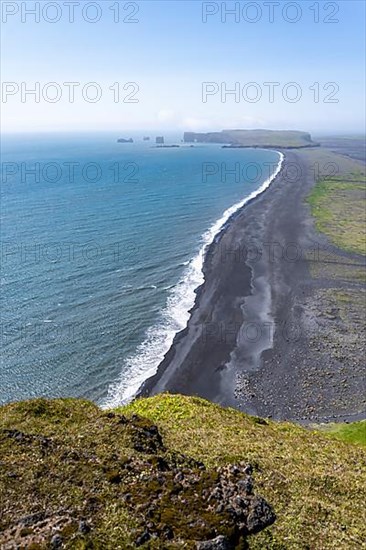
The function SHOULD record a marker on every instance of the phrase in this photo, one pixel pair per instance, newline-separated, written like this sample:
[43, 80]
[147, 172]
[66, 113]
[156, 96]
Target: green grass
[354, 432]
[72, 460]
[313, 481]
[338, 206]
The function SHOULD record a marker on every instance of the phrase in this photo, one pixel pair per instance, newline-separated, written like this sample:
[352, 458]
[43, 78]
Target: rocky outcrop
[71, 474]
[184, 501]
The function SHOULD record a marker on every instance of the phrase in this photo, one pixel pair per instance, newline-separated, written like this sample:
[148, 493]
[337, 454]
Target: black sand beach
[260, 337]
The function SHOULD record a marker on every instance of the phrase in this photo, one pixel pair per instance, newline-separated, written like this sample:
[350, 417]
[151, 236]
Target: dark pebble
[56, 541]
[143, 538]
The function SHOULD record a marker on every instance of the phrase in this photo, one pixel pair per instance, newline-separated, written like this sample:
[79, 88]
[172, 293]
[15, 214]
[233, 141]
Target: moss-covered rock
[73, 476]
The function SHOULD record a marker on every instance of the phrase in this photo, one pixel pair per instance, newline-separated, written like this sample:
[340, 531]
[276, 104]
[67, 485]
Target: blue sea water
[102, 248]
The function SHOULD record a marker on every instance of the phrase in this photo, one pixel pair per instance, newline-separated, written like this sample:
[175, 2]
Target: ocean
[102, 245]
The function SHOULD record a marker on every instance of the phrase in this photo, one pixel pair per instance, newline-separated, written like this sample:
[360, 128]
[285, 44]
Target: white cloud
[194, 124]
[166, 115]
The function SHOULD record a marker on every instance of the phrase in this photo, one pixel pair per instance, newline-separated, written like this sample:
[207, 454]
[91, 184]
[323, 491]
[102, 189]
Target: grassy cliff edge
[82, 477]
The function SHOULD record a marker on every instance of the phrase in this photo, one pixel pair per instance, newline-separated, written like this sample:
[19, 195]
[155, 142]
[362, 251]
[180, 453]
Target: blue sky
[170, 52]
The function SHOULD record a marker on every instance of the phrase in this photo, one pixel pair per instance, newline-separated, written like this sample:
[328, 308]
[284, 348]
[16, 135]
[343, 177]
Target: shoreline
[210, 237]
[146, 388]
[247, 343]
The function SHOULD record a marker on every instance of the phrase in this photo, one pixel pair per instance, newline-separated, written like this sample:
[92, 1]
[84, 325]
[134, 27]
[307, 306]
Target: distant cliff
[254, 138]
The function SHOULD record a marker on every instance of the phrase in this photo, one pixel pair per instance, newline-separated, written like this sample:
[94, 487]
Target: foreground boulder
[181, 500]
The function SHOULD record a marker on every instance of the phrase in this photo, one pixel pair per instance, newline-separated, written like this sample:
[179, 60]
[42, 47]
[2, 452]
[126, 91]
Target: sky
[159, 65]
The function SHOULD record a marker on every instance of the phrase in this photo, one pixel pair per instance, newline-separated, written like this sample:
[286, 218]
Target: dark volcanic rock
[260, 514]
[56, 541]
[146, 436]
[184, 501]
[218, 543]
[143, 538]
[84, 528]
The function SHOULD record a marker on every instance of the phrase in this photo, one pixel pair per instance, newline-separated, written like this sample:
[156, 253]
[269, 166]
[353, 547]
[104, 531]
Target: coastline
[195, 275]
[246, 343]
[208, 251]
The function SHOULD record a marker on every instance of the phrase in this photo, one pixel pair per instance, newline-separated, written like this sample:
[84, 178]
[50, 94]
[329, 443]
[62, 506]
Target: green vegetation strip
[354, 432]
[339, 208]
